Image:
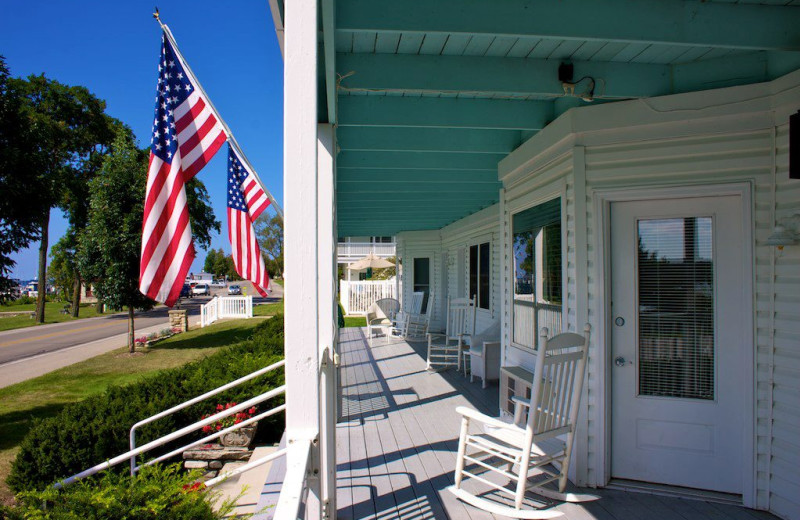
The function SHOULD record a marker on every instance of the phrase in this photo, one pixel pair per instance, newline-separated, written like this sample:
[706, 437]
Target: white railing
[357, 297]
[530, 317]
[226, 307]
[135, 451]
[356, 250]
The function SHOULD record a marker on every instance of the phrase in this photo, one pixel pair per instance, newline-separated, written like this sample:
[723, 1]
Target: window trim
[485, 239]
[518, 207]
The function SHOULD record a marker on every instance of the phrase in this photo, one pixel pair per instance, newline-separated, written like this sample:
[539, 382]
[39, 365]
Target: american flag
[246, 201]
[186, 135]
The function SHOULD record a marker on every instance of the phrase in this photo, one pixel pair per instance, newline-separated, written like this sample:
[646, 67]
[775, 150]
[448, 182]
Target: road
[18, 344]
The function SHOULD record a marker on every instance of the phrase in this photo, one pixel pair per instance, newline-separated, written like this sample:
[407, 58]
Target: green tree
[67, 136]
[64, 270]
[269, 231]
[20, 190]
[210, 265]
[109, 247]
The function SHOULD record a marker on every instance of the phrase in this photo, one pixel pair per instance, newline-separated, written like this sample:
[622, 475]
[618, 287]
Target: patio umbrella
[370, 261]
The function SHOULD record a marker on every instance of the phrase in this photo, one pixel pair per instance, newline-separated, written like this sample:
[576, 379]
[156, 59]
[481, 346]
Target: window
[480, 274]
[422, 278]
[381, 240]
[536, 250]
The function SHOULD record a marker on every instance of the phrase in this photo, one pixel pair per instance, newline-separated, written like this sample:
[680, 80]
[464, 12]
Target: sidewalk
[38, 365]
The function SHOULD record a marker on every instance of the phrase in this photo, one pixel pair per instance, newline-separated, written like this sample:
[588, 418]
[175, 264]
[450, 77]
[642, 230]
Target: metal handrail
[190, 402]
[172, 436]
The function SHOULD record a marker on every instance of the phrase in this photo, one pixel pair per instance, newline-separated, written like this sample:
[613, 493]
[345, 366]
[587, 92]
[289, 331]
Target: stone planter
[241, 438]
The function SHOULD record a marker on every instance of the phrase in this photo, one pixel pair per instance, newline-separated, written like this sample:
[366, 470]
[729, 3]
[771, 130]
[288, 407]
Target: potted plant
[242, 437]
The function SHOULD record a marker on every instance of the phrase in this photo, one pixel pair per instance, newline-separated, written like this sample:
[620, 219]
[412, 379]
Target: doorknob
[620, 361]
[620, 321]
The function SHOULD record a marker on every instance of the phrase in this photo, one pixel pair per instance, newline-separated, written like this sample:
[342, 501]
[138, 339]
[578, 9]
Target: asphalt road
[19, 344]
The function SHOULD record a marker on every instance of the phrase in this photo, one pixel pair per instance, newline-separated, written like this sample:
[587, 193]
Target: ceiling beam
[496, 114]
[427, 140]
[445, 187]
[674, 22]
[430, 197]
[346, 176]
[511, 77]
[420, 161]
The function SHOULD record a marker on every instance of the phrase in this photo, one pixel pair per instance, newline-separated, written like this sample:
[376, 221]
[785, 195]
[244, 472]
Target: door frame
[601, 364]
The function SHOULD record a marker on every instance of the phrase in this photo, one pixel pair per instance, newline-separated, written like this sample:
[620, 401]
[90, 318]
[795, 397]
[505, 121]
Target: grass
[355, 321]
[52, 314]
[45, 396]
[268, 309]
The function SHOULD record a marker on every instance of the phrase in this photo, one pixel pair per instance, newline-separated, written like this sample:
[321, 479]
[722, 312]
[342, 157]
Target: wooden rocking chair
[531, 442]
[444, 350]
[416, 326]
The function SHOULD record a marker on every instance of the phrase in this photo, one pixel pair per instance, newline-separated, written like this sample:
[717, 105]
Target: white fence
[226, 307]
[530, 317]
[356, 297]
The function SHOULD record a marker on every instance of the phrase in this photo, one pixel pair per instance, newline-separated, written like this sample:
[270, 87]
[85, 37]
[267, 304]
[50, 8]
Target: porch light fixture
[785, 232]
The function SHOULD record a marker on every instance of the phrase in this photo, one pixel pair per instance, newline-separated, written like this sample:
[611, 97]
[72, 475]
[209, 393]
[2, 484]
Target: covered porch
[397, 437]
[496, 142]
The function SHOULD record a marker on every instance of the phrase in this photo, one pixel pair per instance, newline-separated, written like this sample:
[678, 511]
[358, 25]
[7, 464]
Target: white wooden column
[301, 300]
[328, 323]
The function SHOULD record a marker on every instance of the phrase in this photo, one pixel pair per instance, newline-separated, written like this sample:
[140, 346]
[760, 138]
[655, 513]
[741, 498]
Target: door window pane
[537, 272]
[676, 308]
[480, 275]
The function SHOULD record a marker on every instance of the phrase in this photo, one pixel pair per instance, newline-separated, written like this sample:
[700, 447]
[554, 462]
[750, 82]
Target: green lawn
[268, 309]
[355, 321]
[45, 396]
[52, 314]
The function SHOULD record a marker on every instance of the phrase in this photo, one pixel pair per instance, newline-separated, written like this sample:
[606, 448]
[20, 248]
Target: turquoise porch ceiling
[429, 96]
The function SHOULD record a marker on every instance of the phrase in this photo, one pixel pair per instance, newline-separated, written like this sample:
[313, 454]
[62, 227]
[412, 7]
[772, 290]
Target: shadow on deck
[398, 434]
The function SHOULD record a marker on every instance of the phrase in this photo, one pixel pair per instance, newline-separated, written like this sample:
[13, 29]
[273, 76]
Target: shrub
[96, 429]
[157, 492]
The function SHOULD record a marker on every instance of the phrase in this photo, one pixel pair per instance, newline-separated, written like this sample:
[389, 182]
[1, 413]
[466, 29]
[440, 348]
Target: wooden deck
[398, 434]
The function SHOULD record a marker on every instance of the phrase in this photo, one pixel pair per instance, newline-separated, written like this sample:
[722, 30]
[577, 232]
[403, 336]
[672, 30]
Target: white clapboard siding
[419, 244]
[478, 228]
[784, 477]
[358, 296]
[667, 142]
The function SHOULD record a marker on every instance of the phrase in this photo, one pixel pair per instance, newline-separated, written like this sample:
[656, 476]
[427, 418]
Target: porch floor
[398, 434]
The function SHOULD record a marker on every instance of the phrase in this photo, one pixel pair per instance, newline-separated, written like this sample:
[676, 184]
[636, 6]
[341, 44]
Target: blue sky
[113, 48]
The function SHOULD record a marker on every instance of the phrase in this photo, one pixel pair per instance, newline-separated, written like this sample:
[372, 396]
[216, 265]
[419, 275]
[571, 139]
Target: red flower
[252, 411]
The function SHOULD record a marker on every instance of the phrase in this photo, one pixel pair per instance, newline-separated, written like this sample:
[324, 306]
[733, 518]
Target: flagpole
[228, 132]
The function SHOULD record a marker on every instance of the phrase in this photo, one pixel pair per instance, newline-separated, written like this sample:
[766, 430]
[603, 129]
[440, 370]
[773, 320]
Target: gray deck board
[398, 436]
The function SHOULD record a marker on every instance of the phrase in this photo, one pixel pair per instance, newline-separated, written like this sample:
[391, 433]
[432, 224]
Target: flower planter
[241, 438]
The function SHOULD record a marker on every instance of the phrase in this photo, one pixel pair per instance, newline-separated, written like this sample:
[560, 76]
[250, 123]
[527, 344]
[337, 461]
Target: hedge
[96, 429]
[157, 492]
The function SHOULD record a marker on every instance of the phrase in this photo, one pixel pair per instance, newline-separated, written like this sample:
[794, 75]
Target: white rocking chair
[444, 350]
[400, 327]
[381, 316]
[416, 326]
[531, 442]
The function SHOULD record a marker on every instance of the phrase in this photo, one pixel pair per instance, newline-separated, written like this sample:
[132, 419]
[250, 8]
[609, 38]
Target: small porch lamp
[785, 233]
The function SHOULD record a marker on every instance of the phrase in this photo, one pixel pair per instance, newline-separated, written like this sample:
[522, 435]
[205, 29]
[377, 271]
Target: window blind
[676, 308]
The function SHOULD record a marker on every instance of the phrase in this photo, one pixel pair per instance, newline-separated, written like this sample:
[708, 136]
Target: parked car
[186, 291]
[234, 289]
[218, 283]
[201, 289]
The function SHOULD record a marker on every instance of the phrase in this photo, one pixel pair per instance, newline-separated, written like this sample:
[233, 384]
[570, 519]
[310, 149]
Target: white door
[679, 338]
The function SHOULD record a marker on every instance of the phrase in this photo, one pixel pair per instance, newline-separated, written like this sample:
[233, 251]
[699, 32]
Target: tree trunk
[76, 295]
[42, 268]
[131, 344]
[99, 305]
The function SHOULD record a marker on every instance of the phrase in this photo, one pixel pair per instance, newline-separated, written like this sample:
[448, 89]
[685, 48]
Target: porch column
[301, 301]
[328, 322]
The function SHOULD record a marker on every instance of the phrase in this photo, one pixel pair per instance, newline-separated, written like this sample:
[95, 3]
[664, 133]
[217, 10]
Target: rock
[216, 452]
[195, 464]
[215, 464]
